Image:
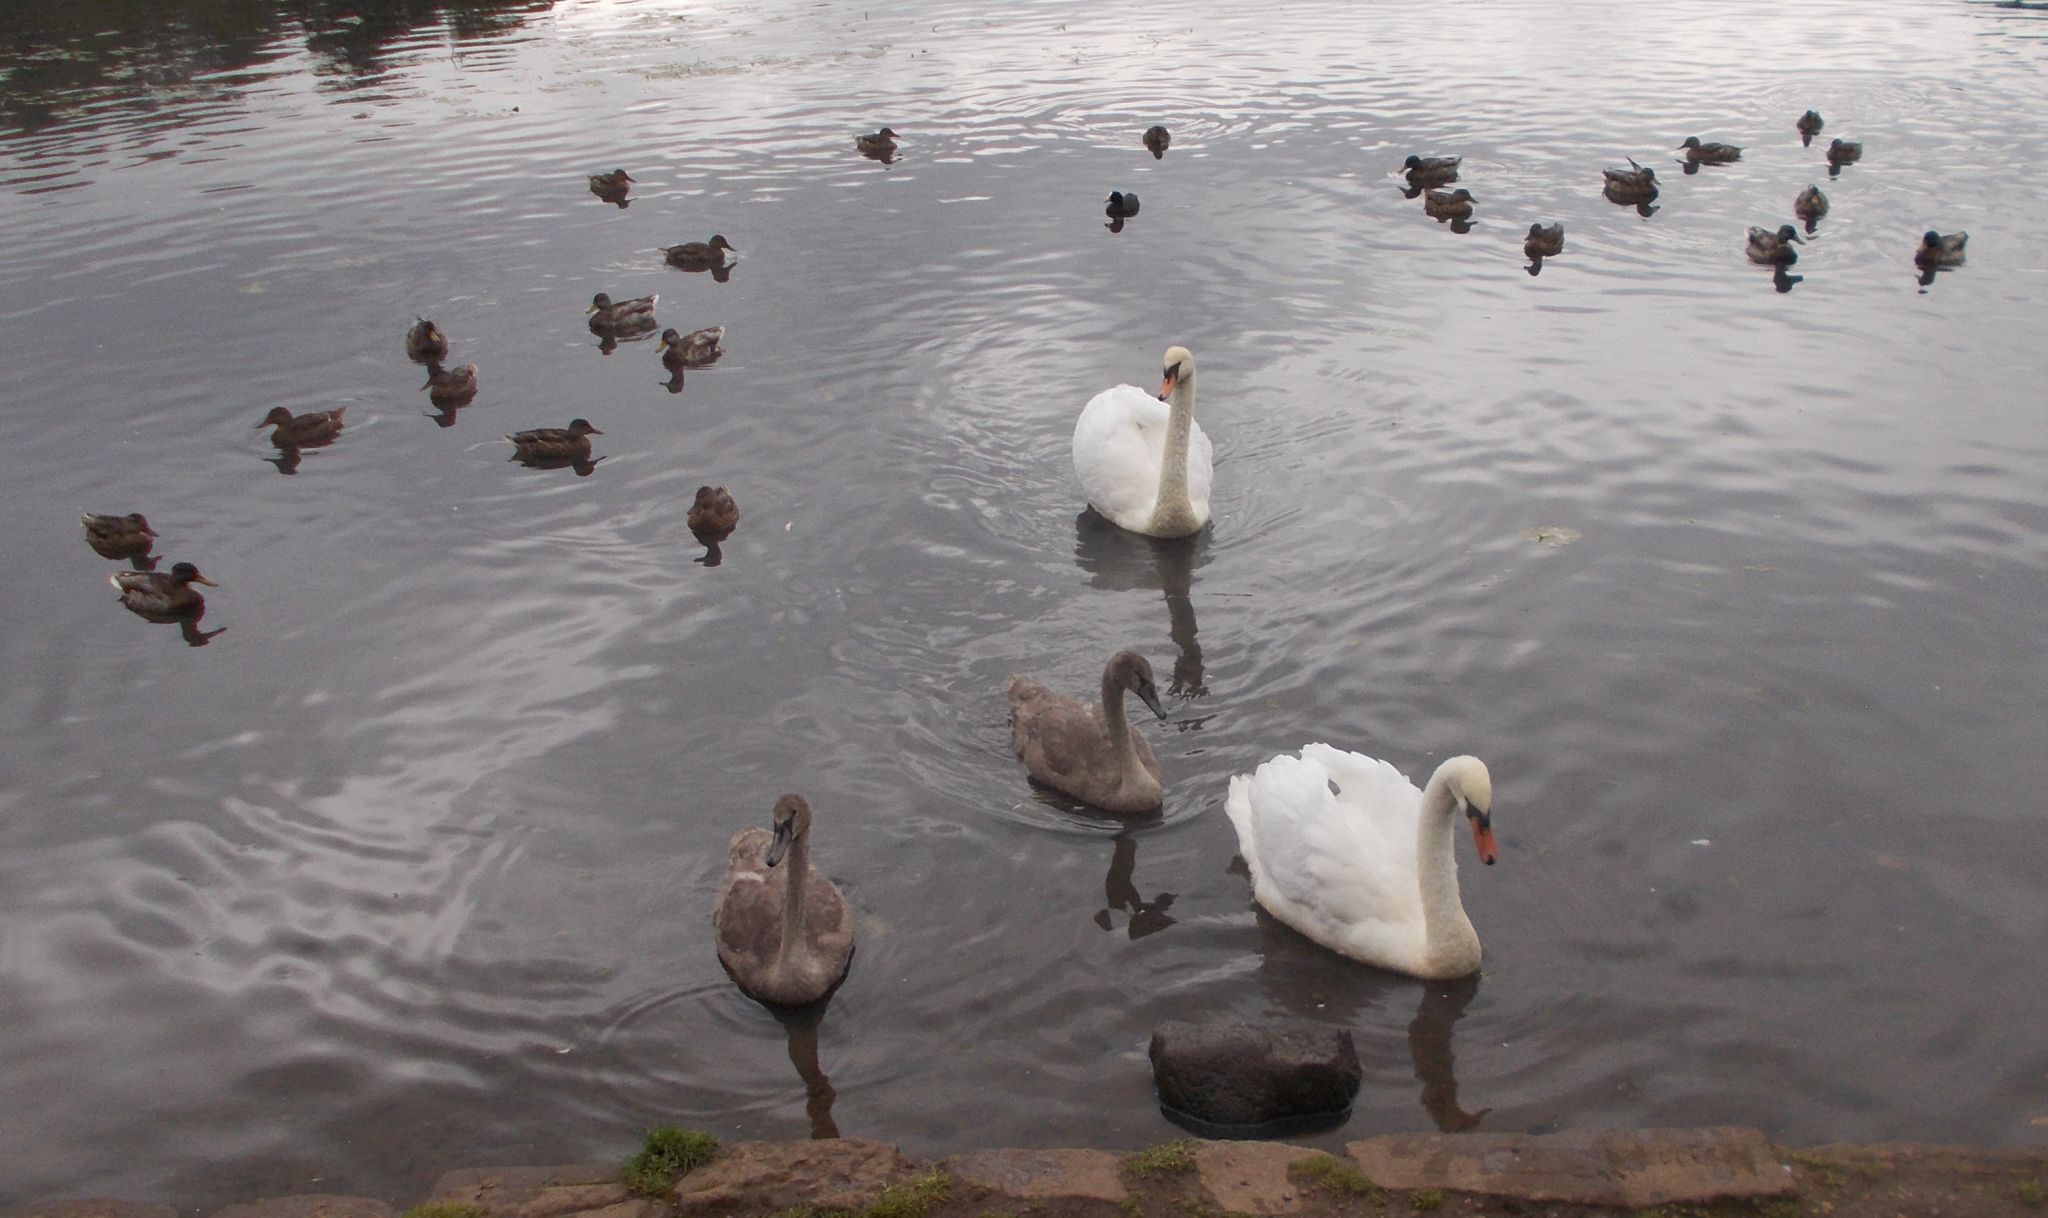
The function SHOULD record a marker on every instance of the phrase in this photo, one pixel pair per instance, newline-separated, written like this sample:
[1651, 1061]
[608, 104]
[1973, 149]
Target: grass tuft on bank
[666, 1156]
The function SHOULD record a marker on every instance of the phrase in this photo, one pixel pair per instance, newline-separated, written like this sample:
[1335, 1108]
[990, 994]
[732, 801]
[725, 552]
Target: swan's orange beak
[1171, 379]
[1482, 839]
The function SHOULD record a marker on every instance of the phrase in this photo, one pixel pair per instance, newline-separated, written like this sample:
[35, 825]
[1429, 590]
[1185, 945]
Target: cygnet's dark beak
[780, 844]
[1150, 693]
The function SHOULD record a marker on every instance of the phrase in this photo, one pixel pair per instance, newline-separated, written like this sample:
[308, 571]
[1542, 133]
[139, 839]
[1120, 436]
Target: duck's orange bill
[1482, 837]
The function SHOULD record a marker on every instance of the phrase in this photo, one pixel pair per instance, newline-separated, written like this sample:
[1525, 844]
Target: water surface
[411, 866]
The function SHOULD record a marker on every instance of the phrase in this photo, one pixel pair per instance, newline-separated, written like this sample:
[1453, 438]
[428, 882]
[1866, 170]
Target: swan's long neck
[1174, 512]
[1113, 719]
[797, 862]
[1447, 932]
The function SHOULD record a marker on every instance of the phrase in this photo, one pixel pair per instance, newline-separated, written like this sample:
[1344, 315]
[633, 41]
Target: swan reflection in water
[801, 1025]
[1119, 559]
[1120, 889]
[1312, 983]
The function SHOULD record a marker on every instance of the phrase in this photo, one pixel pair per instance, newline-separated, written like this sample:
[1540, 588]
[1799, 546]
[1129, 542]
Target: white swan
[1144, 465]
[1366, 869]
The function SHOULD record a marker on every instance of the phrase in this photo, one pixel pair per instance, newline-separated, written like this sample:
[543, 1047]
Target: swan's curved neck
[1174, 512]
[1113, 719]
[797, 863]
[1447, 932]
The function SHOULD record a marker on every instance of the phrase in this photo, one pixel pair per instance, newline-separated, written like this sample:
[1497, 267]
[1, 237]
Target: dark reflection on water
[1747, 631]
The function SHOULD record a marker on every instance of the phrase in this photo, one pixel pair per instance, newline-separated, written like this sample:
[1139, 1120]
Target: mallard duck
[1543, 242]
[1449, 204]
[309, 430]
[1936, 250]
[1122, 205]
[571, 443]
[1157, 139]
[611, 187]
[692, 350]
[1635, 184]
[634, 314]
[1431, 170]
[1810, 205]
[1844, 152]
[881, 145]
[118, 536]
[700, 255]
[1709, 154]
[1809, 125]
[1774, 248]
[714, 515]
[162, 593]
[450, 385]
[425, 344]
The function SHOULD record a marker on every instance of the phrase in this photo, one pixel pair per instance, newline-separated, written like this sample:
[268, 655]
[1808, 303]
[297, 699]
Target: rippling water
[411, 866]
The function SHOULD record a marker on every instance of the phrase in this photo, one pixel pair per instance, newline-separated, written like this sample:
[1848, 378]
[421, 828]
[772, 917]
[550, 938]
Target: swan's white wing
[1340, 868]
[1201, 468]
[1119, 442]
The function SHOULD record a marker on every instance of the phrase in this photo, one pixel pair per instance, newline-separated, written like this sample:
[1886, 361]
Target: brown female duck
[425, 344]
[571, 443]
[692, 350]
[1809, 125]
[118, 536]
[714, 515]
[612, 187]
[451, 386]
[1709, 154]
[309, 430]
[1431, 170]
[1449, 204]
[1157, 140]
[700, 255]
[1543, 242]
[623, 316]
[881, 145]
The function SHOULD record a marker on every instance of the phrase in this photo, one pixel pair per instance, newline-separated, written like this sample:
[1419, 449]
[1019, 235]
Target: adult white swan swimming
[1345, 850]
[1142, 462]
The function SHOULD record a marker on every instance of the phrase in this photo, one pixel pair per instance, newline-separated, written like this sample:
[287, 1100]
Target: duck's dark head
[278, 417]
[582, 427]
[185, 573]
[599, 303]
[1787, 233]
[1932, 240]
[1691, 141]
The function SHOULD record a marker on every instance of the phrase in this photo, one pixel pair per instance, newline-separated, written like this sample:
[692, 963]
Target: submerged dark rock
[1242, 1080]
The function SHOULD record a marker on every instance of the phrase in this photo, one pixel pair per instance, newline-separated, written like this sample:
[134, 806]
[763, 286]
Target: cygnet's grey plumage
[784, 931]
[1091, 753]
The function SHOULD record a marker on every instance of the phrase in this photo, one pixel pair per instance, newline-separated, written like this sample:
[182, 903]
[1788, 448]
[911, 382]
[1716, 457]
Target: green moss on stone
[1426, 1199]
[445, 1209]
[1163, 1159]
[666, 1156]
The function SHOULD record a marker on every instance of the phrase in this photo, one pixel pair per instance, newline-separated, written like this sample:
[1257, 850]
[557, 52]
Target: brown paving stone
[544, 1192]
[1042, 1175]
[311, 1205]
[93, 1207]
[766, 1177]
[1629, 1168]
[1251, 1177]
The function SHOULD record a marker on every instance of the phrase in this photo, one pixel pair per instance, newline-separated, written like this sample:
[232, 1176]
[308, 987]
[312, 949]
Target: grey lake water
[1739, 591]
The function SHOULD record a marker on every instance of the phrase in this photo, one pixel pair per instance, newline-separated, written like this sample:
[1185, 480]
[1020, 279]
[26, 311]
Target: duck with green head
[1939, 250]
[1767, 248]
[162, 593]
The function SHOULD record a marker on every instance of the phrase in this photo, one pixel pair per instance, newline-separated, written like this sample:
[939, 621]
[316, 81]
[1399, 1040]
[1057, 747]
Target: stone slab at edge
[310, 1205]
[1042, 1175]
[1613, 1167]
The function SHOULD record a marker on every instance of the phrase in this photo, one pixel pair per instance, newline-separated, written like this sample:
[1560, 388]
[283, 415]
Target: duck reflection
[1119, 559]
[674, 383]
[1309, 982]
[801, 1025]
[1120, 889]
[1782, 279]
